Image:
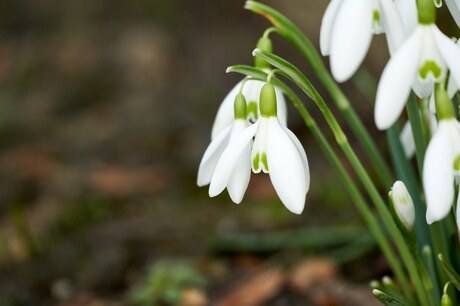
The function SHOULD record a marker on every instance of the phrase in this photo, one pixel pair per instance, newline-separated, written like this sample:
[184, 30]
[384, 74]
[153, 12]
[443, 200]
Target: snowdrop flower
[251, 92]
[420, 62]
[454, 8]
[402, 204]
[239, 180]
[407, 138]
[442, 161]
[276, 151]
[347, 29]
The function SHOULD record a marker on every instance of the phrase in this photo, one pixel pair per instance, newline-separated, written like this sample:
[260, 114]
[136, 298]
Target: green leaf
[386, 299]
[451, 273]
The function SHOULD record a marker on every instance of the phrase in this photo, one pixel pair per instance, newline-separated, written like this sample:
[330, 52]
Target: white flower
[276, 151]
[424, 57]
[452, 85]
[347, 28]
[407, 10]
[441, 165]
[403, 205]
[454, 8]
[239, 179]
[407, 138]
[251, 91]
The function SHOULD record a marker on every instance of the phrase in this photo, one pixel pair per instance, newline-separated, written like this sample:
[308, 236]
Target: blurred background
[106, 109]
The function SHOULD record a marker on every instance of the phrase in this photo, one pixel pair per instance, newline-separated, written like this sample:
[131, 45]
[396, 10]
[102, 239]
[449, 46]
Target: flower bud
[264, 44]
[402, 205]
[267, 102]
[445, 299]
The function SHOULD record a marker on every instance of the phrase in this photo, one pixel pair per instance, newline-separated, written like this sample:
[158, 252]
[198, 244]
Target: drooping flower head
[419, 63]
[347, 29]
[276, 151]
[442, 161]
[239, 178]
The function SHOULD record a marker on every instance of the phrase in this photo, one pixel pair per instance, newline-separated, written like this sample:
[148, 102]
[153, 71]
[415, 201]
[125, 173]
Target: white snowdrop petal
[407, 140]
[251, 90]
[450, 52]
[452, 87]
[224, 117]
[392, 24]
[286, 168]
[408, 11]
[241, 174]
[281, 106]
[454, 8]
[302, 153]
[229, 159]
[211, 157]
[326, 26]
[395, 83]
[423, 89]
[351, 37]
[438, 175]
[240, 177]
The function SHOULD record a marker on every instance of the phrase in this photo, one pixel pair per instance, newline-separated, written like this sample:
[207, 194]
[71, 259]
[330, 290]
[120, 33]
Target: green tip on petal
[444, 108]
[240, 107]
[267, 102]
[426, 11]
[457, 163]
[264, 44]
[428, 67]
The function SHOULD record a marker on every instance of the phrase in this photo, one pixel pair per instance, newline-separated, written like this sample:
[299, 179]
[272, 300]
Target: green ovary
[428, 67]
[252, 111]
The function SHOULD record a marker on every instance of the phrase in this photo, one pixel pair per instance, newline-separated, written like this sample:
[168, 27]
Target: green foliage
[164, 283]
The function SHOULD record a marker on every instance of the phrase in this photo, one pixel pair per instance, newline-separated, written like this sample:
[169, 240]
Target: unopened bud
[264, 44]
[402, 204]
[445, 299]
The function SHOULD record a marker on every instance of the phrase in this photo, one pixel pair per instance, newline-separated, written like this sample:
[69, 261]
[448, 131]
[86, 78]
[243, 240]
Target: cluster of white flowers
[250, 133]
[250, 130]
[421, 56]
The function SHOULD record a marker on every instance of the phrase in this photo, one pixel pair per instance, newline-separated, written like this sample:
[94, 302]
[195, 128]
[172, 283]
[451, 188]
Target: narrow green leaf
[453, 275]
[386, 299]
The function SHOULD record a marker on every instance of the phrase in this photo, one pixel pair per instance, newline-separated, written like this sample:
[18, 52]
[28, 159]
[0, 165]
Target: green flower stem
[437, 230]
[417, 130]
[295, 36]
[427, 258]
[300, 80]
[354, 192]
[440, 246]
[402, 166]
